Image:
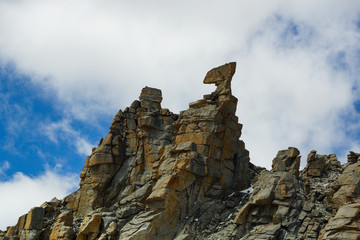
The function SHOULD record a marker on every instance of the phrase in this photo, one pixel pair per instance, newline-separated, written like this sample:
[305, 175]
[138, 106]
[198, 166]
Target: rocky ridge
[160, 175]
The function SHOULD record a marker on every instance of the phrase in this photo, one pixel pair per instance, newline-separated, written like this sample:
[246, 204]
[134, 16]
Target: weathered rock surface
[160, 175]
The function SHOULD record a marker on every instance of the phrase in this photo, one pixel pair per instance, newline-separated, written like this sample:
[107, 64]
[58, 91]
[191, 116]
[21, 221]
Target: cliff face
[159, 175]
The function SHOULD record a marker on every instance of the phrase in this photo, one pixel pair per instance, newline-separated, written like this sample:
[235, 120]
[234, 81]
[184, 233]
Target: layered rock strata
[160, 175]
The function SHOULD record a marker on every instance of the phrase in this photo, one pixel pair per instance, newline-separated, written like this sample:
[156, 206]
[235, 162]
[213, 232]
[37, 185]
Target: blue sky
[67, 67]
[35, 134]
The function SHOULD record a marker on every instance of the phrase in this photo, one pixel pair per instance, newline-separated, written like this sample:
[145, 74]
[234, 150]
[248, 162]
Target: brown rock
[345, 224]
[34, 219]
[21, 221]
[241, 216]
[263, 193]
[151, 98]
[112, 229]
[63, 227]
[221, 76]
[89, 228]
[349, 182]
[353, 157]
[315, 165]
[286, 186]
[287, 160]
[11, 231]
[99, 158]
[146, 121]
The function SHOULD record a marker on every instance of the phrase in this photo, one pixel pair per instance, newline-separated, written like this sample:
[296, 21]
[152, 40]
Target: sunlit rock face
[160, 175]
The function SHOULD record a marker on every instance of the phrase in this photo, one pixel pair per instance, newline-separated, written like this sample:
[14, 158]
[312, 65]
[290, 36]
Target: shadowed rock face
[160, 175]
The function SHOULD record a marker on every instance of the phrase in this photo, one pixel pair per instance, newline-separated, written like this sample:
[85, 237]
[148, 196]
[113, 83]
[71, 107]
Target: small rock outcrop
[160, 175]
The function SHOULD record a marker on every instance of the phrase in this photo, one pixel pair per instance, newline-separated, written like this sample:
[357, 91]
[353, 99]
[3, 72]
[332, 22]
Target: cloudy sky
[67, 67]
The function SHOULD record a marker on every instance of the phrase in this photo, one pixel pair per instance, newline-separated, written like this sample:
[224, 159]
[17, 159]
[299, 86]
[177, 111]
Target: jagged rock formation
[159, 175]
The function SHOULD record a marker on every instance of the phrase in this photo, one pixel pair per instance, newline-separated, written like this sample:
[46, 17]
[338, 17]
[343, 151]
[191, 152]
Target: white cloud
[5, 165]
[97, 55]
[83, 147]
[21, 193]
[62, 130]
[290, 101]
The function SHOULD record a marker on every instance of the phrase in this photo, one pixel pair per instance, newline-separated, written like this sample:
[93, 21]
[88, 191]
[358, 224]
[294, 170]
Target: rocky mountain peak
[160, 175]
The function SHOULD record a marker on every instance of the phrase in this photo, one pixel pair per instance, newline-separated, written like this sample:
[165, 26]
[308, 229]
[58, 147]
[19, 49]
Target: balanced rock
[221, 76]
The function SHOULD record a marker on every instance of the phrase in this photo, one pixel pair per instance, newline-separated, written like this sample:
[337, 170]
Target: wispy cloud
[14, 116]
[36, 189]
[13, 122]
[62, 130]
[83, 147]
[4, 166]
